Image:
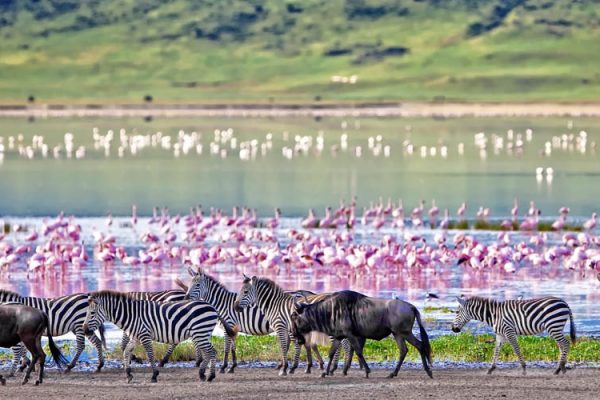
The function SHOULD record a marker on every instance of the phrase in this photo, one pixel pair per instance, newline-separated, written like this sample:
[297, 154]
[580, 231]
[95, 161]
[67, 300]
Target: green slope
[275, 50]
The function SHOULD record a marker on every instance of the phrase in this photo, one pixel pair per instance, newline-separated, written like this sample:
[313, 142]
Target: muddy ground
[261, 383]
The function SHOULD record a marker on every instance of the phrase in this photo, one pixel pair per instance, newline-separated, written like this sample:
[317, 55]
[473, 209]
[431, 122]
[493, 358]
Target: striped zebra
[277, 305]
[65, 314]
[146, 321]
[161, 297]
[511, 318]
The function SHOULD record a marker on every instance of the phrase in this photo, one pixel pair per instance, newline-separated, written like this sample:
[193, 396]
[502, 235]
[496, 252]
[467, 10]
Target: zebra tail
[59, 359]
[181, 284]
[102, 337]
[573, 332]
[424, 337]
[228, 329]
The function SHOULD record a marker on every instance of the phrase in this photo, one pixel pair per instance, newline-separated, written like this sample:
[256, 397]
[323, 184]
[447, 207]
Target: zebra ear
[200, 271]
[246, 278]
[461, 300]
[191, 272]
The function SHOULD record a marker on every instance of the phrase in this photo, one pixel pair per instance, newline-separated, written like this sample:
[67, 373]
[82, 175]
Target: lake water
[297, 164]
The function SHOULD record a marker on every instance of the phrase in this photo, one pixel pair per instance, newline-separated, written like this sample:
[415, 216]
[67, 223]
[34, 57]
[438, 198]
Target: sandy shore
[447, 110]
[262, 383]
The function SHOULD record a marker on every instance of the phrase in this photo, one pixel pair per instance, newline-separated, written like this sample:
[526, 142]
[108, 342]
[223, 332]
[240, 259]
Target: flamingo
[590, 223]
[461, 211]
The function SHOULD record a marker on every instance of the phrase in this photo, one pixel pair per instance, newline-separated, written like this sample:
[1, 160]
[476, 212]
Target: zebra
[250, 320]
[511, 318]
[145, 321]
[65, 314]
[277, 305]
[162, 297]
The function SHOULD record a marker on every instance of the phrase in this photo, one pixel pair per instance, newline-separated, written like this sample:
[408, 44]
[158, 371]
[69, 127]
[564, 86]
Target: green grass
[463, 347]
[260, 51]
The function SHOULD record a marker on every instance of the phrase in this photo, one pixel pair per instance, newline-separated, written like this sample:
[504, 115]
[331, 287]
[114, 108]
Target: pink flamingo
[515, 210]
[590, 223]
[461, 211]
[310, 221]
[433, 213]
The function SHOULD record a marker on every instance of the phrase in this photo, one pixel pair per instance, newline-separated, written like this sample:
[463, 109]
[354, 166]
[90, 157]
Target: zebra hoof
[37, 383]
[202, 375]
[292, 370]
[129, 378]
[2, 381]
[211, 377]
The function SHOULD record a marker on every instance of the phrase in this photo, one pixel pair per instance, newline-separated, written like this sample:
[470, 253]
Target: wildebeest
[19, 323]
[356, 317]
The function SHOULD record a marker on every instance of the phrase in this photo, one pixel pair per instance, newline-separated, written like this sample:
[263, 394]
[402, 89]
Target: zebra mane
[113, 294]
[214, 281]
[6, 292]
[482, 300]
[268, 284]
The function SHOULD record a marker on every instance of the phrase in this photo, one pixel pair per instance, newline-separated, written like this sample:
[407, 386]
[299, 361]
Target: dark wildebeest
[354, 316]
[19, 323]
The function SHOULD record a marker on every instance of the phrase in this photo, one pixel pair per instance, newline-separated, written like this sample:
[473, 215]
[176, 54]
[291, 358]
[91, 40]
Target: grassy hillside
[288, 50]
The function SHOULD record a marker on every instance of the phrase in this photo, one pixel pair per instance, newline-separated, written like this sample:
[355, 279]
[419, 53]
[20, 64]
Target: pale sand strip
[447, 110]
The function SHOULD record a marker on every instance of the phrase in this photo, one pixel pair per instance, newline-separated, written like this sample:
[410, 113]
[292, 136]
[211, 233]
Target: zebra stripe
[512, 318]
[162, 297]
[146, 321]
[65, 314]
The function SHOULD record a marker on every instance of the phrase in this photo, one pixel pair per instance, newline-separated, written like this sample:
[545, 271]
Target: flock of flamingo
[225, 143]
[339, 241]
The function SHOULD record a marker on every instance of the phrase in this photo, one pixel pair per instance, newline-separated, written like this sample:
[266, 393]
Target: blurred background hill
[299, 51]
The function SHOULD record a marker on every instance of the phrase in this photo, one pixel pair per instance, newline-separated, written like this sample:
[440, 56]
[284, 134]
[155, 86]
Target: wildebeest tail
[424, 336]
[59, 359]
[573, 332]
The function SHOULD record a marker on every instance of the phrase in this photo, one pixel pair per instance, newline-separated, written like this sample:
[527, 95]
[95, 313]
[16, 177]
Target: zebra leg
[226, 355]
[284, 343]
[127, 358]
[233, 356]
[297, 350]
[167, 355]
[334, 348]
[499, 342]
[335, 362]
[563, 345]
[147, 343]
[80, 343]
[204, 347]
[98, 345]
[124, 341]
[19, 351]
[512, 339]
[348, 354]
[401, 342]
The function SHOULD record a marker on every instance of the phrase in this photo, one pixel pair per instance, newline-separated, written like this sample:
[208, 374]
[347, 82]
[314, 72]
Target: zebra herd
[299, 318]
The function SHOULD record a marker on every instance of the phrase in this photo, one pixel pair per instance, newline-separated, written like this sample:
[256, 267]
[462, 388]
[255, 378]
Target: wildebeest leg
[31, 346]
[357, 344]
[418, 345]
[315, 349]
[403, 350]
[80, 344]
[309, 358]
[98, 345]
[284, 343]
[499, 342]
[335, 345]
[167, 355]
[42, 359]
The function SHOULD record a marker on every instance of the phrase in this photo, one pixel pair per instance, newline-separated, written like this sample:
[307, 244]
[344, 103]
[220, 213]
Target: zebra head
[463, 315]
[198, 289]
[95, 316]
[247, 296]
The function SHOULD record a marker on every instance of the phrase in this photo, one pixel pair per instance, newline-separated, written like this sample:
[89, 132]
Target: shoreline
[367, 109]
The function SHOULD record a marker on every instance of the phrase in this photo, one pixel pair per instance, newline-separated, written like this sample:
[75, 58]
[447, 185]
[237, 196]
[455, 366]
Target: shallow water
[312, 178]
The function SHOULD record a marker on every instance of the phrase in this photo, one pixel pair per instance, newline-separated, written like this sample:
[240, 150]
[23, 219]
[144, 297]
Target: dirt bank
[261, 383]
